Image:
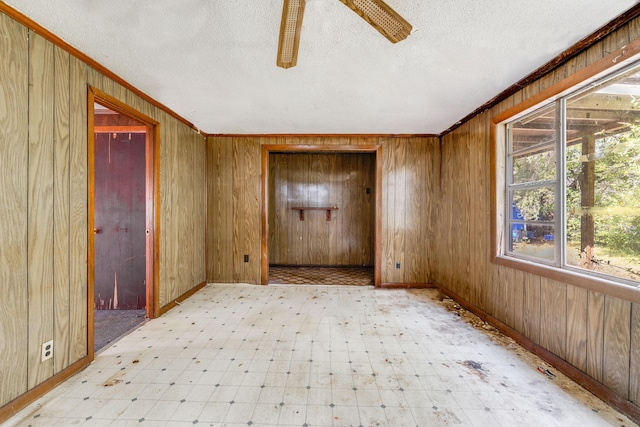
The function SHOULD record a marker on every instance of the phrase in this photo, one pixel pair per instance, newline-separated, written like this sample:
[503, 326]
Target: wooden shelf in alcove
[321, 208]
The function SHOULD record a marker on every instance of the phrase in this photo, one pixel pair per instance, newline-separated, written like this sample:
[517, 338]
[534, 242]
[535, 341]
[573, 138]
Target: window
[572, 180]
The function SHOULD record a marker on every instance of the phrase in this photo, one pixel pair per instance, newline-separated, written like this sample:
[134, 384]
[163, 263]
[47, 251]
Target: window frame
[557, 269]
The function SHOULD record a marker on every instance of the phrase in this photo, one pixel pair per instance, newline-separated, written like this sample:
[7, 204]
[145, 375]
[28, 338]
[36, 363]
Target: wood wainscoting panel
[509, 291]
[165, 203]
[246, 209]
[617, 342]
[553, 315]
[407, 194]
[293, 237]
[634, 375]
[387, 260]
[595, 334]
[518, 300]
[398, 203]
[40, 206]
[78, 238]
[462, 214]
[14, 146]
[577, 318]
[417, 176]
[183, 199]
[199, 252]
[531, 307]
[277, 213]
[220, 209]
[480, 197]
[61, 211]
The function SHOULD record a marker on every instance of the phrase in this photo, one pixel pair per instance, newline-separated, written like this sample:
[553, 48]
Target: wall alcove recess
[327, 149]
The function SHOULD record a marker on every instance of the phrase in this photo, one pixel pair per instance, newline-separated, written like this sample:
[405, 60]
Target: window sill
[596, 284]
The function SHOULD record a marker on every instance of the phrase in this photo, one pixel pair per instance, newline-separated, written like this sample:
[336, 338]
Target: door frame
[285, 148]
[152, 205]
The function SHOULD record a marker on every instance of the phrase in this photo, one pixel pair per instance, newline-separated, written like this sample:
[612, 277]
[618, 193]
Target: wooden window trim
[587, 75]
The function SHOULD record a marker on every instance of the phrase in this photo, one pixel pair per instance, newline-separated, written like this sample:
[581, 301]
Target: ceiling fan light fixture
[381, 17]
[290, 26]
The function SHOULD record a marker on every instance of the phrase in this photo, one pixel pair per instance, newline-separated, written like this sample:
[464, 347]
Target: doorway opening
[122, 210]
[320, 215]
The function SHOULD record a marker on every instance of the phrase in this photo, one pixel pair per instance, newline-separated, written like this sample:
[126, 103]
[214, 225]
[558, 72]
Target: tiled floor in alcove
[240, 355]
[320, 275]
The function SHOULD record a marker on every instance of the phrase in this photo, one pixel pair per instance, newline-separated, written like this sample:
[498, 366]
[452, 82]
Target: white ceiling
[214, 62]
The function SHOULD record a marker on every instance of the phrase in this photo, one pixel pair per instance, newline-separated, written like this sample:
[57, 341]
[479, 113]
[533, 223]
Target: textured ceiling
[214, 62]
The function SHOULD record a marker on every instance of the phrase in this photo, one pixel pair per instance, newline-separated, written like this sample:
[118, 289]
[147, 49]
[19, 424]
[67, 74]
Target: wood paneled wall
[234, 188]
[596, 333]
[407, 189]
[342, 180]
[233, 210]
[43, 205]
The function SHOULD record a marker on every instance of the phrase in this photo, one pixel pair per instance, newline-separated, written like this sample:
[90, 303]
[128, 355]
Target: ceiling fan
[376, 12]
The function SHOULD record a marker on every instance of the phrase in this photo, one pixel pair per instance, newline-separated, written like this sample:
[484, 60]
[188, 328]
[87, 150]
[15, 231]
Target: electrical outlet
[47, 351]
[246, 258]
[397, 266]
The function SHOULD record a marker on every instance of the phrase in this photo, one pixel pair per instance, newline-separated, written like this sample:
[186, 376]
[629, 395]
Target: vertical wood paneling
[336, 196]
[200, 209]
[577, 63]
[447, 185]
[595, 334]
[308, 197]
[617, 40]
[165, 203]
[246, 206]
[577, 327]
[617, 333]
[531, 307]
[277, 207]
[497, 302]
[78, 241]
[184, 223]
[476, 223]
[353, 217]
[40, 204]
[415, 206]
[388, 213]
[61, 226]
[14, 146]
[171, 217]
[463, 213]
[366, 213]
[518, 301]
[425, 180]
[432, 211]
[295, 197]
[221, 210]
[634, 375]
[223, 250]
[321, 180]
[553, 325]
[509, 290]
[400, 206]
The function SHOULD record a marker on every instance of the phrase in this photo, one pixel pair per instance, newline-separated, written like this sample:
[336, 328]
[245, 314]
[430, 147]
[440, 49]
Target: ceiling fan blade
[290, 26]
[381, 17]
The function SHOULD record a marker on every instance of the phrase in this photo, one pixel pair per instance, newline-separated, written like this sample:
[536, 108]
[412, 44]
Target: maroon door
[119, 217]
